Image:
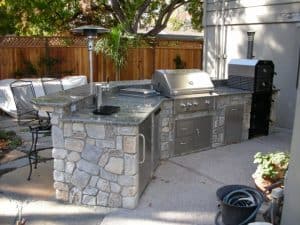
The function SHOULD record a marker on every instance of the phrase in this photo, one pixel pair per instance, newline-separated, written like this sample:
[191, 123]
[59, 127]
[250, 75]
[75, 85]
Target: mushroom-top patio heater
[91, 32]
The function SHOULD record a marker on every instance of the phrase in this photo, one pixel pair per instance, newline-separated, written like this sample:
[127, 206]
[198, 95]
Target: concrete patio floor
[181, 192]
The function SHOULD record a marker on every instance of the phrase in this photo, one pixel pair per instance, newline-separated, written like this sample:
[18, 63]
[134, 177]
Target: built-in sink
[106, 110]
[138, 92]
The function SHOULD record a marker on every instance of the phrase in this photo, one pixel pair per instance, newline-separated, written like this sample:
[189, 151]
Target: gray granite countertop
[67, 97]
[133, 110]
[63, 98]
[223, 90]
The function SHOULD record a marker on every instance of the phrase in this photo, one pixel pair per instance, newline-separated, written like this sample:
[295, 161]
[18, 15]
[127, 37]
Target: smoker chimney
[250, 44]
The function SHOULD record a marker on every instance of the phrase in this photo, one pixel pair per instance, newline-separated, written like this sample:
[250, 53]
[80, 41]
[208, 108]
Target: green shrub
[271, 166]
[12, 139]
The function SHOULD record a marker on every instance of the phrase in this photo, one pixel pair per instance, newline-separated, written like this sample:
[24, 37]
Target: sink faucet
[98, 97]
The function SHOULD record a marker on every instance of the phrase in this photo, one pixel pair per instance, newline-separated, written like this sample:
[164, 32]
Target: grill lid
[181, 82]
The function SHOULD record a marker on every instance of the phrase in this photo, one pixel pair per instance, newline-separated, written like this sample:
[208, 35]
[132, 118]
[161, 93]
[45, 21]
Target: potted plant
[271, 168]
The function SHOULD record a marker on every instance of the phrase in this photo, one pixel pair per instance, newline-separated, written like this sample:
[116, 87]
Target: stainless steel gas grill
[194, 103]
[172, 83]
[184, 86]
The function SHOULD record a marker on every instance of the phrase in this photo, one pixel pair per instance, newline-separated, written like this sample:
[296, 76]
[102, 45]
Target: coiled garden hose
[244, 197]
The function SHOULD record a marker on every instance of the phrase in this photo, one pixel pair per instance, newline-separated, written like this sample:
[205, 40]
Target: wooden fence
[59, 56]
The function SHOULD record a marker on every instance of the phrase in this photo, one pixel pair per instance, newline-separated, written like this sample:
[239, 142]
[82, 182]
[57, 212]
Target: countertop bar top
[67, 97]
[133, 110]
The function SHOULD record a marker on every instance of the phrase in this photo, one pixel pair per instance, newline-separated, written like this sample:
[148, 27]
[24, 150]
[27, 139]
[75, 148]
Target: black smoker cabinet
[256, 76]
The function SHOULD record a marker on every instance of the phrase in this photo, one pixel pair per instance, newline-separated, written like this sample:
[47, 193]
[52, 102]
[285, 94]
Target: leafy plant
[11, 139]
[28, 69]
[271, 166]
[115, 45]
[175, 23]
[179, 63]
[49, 63]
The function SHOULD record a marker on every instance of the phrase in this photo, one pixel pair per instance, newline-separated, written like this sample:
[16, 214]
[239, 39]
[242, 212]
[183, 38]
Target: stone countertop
[133, 110]
[63, 98]
[67, 97]
[223, 90]
[217, 92]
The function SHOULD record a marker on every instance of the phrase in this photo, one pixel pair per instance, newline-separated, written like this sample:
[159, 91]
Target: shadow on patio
[181, 192]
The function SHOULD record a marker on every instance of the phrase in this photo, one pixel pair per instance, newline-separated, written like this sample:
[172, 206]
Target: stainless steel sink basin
[106, 110]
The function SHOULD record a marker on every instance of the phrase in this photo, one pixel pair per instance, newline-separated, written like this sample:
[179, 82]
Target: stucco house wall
[277, 36]
[290, 214]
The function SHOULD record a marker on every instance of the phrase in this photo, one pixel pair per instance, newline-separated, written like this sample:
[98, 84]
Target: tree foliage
[42, 17]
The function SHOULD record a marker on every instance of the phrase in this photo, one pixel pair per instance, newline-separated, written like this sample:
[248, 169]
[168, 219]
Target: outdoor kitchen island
[107, 160]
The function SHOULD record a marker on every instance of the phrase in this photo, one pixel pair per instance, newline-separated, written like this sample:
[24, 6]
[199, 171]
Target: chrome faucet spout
[99, 97]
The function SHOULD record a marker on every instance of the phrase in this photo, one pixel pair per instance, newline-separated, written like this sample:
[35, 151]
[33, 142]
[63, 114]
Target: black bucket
[234, 215]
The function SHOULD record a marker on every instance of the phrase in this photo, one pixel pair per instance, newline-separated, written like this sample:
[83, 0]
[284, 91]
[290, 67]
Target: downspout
[223, 41]
[217, 41]
[205, 48]
[250, 35]
[220, 39]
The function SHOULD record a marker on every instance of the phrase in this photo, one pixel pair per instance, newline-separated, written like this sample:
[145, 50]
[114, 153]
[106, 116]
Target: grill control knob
[189, 104]
[207, 102]
[195, 104]
[182, 105]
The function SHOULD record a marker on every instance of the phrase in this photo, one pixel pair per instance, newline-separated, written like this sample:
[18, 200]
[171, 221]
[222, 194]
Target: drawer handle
[233, 109]
[184, 128]
[144, 148]
[183, 143]
[198, 132]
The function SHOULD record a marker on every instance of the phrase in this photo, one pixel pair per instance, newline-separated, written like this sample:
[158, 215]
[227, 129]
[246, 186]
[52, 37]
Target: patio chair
[23, 93]
[51, 85]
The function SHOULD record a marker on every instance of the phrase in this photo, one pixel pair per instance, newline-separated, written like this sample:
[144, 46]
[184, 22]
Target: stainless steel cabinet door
[145, 154]
[184, 127]
[233, 124]
[183, 145]
[203, 132]
[193, 134]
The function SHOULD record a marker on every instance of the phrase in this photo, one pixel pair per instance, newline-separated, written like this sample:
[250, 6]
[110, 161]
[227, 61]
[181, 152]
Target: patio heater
[91, 32]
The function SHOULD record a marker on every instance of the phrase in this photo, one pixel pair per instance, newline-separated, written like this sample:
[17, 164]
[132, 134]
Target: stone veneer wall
[95, 164]
[219, 120]
[167, 121]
